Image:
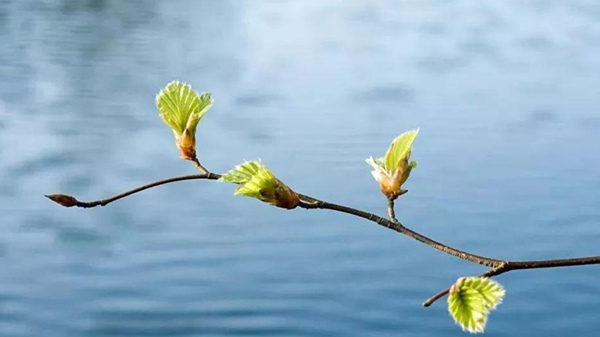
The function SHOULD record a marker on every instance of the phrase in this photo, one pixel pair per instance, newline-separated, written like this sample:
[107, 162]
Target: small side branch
[69, 201]
[199, 166]
[493, 272]
[522, 265]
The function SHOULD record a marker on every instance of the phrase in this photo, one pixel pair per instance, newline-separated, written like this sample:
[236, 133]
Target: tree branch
[498, 266]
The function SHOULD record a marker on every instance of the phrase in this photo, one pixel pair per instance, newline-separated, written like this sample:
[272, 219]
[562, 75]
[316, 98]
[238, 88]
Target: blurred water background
[506, 94]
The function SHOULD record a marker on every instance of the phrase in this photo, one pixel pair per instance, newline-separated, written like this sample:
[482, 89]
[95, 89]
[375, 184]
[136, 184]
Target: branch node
[199, 166]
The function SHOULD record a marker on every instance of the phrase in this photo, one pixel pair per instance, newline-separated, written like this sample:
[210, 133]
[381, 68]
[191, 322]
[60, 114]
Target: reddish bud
[63, 200]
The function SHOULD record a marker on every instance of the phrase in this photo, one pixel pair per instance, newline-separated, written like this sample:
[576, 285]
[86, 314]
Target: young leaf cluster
[257, 181]
[471, 300]
[181, 108]
[392, 170]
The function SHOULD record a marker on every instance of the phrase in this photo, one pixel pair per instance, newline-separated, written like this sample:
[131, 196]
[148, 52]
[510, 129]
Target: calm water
[506, 96]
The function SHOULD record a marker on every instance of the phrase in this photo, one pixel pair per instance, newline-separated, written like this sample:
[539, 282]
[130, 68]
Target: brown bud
[285, 197]
[187, 145]
[392, 186]
[63, 200]
[280, 196]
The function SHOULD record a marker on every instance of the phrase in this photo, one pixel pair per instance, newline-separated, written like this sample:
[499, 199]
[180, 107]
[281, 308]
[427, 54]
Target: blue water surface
[506, 94]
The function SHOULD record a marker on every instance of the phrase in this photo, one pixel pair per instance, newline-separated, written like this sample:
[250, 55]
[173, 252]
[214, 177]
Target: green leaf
[258, 182]
[181, 108]
[206, 103]
[392, 170]
[254, 177]
[262, 186]
[471, 299]
[243, 173]
[399, 150]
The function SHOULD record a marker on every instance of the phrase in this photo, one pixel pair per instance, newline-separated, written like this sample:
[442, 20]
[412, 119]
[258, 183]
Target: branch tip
[63, 199]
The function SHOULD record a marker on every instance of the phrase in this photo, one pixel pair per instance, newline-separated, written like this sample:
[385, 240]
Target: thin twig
[398, 227]
[313, 203]
[307, 202]
[391, 211]
[199, 166]
[69, 201]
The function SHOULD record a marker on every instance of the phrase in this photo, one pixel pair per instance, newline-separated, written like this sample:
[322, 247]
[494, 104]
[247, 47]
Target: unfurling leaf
[471, 300]
[258, 182]
[399, 150]
[181, 108]
[392, 170]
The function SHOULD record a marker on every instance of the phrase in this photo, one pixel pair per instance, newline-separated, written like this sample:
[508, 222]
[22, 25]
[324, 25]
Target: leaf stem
[391, 211]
